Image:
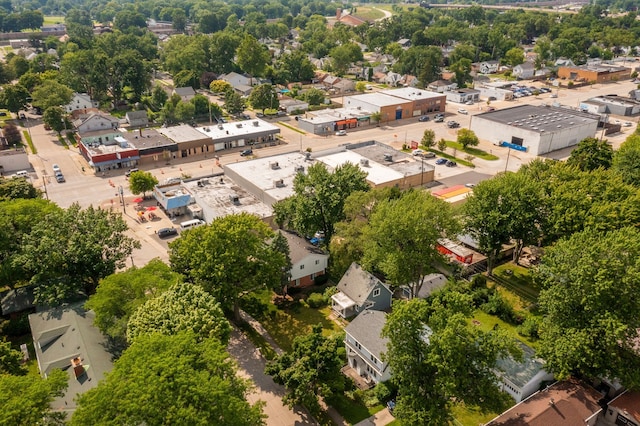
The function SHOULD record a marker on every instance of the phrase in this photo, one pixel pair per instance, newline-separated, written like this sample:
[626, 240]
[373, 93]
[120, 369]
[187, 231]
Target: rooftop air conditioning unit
[299, 169]
[388, 157]
[307, 156]
[234, 199]
[278, 183]
[274, 165]
[364, 162]
[239, 125]
[220, 126]
[255, 123]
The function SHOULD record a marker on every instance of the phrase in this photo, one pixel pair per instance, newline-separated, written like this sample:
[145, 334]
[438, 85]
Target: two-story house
[80, 101]
[358, 290]
[365, 346]
[96, 122]
[185, 93]
[307, 261]
[488, 67]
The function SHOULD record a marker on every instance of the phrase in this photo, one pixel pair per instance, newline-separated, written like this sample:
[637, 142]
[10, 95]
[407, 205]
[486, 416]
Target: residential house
[137, 118]
[236, 80]
[409, 80]
[290, 105]
[359, 290]
[521, 379]
[185, 93]
[405, 43]
[80, 101]
[65, 338]
[564, 62]
[565, 403]
[488, 67]
[441, 86]
[307, 261]
[430, 283]
[524, 71]
[96, 122]
[365, 347]
[392, 79]
[623, 410]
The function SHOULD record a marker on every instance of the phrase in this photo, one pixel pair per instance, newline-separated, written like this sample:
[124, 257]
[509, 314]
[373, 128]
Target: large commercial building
[594, 73]
[609, 104]
[538, 129]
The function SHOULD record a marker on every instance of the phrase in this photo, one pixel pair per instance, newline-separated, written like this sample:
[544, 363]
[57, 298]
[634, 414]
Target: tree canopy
[168, 380]
[263, 97]
[591, 154]
[183, 307]
[142, 182]
[230, 256]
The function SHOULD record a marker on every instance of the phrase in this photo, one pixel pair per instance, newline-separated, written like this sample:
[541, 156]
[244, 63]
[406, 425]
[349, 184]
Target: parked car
[55, 168]
[451, 163]
[341, 133]
[167, 232]
[429, 154]
[469, 102]
[492, 98]
[628, 124]
[491, 108]
[417, 152]
[60, 178]
[131, 171]
[21, 116]
[462, 111]
[246, 152]
[423, 118]
[553, 95]
[391, 405]
[453, 124]
[439, 119]
[441, 161]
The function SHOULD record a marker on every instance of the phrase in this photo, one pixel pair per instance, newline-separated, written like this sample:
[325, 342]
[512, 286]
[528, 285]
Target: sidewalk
[381, 418]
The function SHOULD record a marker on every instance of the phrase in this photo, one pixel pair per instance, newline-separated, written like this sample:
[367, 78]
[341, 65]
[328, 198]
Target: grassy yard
[486, 322]
[518, 280]
[50, 20]
[368, 13]
[451, 157]
[472, 151]
[286, 324]
[353, 410]
[471, 416]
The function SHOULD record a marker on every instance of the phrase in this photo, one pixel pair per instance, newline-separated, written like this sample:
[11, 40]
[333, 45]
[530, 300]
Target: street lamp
[121, 192]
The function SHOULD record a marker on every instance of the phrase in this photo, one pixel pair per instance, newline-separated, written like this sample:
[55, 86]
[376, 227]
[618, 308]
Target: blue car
[391, 405]
[440, 161]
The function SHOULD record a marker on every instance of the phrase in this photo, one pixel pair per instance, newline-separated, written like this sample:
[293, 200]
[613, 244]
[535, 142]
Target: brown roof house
[566, 403]
[624, 410]
[307, 261]
[359, 290]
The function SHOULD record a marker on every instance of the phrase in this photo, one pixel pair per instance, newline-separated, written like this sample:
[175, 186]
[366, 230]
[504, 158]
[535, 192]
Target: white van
[191, 224]
[22, 173]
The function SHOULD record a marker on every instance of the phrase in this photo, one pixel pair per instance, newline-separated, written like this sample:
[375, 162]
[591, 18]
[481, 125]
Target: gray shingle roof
[366, 329]
[358, 283]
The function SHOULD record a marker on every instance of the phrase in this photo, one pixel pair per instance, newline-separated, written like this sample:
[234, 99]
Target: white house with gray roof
[359, 290]
[307, 261]
[365, 346]
[521, 379]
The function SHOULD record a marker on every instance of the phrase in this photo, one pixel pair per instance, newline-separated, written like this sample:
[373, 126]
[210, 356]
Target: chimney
[338, 13]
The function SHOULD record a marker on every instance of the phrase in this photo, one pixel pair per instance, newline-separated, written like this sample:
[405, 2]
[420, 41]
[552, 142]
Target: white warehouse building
[539, 129]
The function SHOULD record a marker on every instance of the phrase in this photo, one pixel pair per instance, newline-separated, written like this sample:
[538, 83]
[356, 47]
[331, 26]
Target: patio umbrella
[151, 208]
[138, 200]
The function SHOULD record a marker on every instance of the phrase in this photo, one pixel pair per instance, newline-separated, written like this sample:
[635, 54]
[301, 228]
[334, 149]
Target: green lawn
[286, 324]
[518, 280]
[472, 151]
[486, 322]
[50, 20]
[471, 416]
[353, 411]
[451, 157]
[368, 13]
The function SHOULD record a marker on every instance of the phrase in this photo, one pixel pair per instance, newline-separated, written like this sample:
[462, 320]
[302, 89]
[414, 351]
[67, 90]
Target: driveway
[251, 366]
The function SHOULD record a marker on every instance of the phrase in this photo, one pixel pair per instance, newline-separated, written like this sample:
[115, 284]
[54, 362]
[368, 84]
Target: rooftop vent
[220, 126]
[364, 162]
[278, 183]
[234, 199]
[274, 165]
[307, 156]
[239, 125]
[388, 157]
[299, 169]
[255, 123]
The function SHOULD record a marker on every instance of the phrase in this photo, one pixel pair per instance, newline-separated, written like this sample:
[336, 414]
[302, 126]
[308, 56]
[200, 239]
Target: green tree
[310, 371]
[11, 189]
[467, 138]
[220, 86]
[14, 97]
[280, 245]
[168, 380]
[442, 145]
[54, 118]
[51, 94]
[319, 196]
[158, 97]
[263, 97]
[626, 161]
[402, 236]
[591, 154]
[185, 111]
[252, 56]
[297, 66]
[421, 61]
[436, 359]
[462, 70]
[361, 86]
[71, 250]
[514, 56]
[228, 258]
[183, 307]
[26, 400]
[141, 182]
[343, 56]
[11, 134]
[233, 102]
[10, 360]
[314, 96]
[590, 323]
[428, 138]
[119, 295]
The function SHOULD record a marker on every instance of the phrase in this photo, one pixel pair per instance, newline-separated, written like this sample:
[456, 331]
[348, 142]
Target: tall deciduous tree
[119, 295]
[229, 257]
[167, 380]
[590, 282]
[54, 118]
[263, 97]
[10, 360]
[467, 138]
[281, 245]
[319, 198]
[183, 307]
[50, 94]
[591, 154]
[71, 250]
[402, 236]
[252, 56]
[311, 370]
[428, 138]
[14, 97]
[26, 400]
[233, 102]
[437, 358]
[626, 161]
[141, 182]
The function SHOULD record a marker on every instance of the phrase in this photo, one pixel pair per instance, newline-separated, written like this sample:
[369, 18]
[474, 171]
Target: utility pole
[44, 182]
[121, 192]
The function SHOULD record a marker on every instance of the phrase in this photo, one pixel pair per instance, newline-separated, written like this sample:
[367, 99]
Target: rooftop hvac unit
[364, 162]
[255, 123]
[307, 156]
[274, 165]
[388, 157]
[239, 125]
[299, 169]
[278, 183]
[220, 126]
[234, 199]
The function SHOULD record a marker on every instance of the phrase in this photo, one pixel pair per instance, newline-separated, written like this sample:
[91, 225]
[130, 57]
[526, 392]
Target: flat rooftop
[237, 129]
[412, 93]
[614, 100]
[598, 68]
[220, 196]
[337, 114]
[146, 138]
[539, 118]
[377, 174]
[378, 99]
[182, 133]
[388, 157]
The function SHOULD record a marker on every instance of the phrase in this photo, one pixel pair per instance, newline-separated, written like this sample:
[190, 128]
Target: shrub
[499, 307]
[316, 300]
[478, 281]
[383, 391]
[16, 327]
[330, 291]
[481, 296]
[530, 327]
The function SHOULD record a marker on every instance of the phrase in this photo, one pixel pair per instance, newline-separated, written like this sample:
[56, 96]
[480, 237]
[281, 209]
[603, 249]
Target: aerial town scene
[288, 213]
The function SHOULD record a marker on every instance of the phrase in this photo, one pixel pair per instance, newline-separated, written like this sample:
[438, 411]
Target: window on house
[301, 266]
[373, 358]
[317, 262]
[376, 292]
